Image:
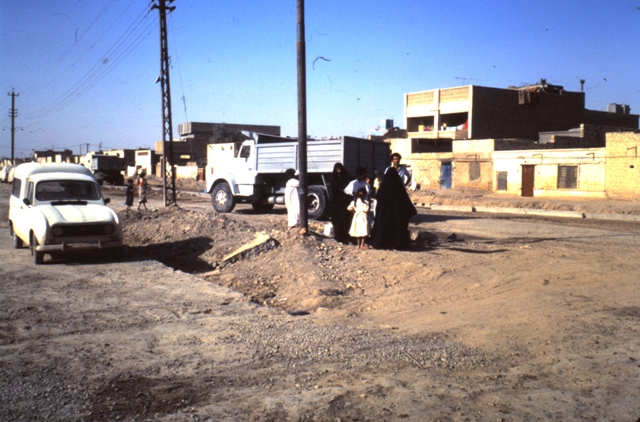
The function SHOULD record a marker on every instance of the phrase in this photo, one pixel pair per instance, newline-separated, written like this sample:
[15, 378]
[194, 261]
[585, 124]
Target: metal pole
[302, 120]
[13, 113]
[168, 171]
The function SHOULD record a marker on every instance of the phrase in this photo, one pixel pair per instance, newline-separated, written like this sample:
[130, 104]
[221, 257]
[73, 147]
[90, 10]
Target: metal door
[528, 178]
[445, 175]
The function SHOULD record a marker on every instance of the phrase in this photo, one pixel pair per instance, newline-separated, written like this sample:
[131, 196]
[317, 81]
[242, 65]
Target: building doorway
[528, 179]
[446, 170]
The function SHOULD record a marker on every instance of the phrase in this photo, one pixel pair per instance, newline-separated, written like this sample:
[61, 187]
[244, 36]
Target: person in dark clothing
[129, 194]
[340, 178]
[393, 211]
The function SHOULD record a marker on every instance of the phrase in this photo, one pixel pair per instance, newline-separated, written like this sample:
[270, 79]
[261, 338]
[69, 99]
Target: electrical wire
[128, 41]
[49, 70]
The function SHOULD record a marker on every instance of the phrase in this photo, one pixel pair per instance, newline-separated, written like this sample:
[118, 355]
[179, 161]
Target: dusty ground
[519, 319]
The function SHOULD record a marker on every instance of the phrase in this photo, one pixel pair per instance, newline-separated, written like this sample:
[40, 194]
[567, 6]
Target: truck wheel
[259, 207]
[222, 199]
[17, 242]
[38, 257]
[317, 202]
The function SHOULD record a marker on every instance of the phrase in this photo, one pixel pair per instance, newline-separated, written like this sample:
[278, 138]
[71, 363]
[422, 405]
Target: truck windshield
[67, 190]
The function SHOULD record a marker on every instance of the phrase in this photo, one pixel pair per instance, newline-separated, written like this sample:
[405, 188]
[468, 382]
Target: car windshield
[67, 190]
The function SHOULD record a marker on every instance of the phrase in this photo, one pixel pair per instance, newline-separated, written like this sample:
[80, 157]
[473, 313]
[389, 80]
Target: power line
[128, 41]
[60, 59]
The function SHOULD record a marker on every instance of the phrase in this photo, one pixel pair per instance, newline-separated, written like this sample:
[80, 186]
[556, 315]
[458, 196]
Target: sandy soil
[518, 318]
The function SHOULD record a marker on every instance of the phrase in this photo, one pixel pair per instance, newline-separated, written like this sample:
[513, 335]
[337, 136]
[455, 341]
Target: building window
[567, 177]
[474, 171]
[502, 180]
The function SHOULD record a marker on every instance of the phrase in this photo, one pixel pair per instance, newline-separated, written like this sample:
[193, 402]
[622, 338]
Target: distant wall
[472, 164]
[589, 164]
[623, 165]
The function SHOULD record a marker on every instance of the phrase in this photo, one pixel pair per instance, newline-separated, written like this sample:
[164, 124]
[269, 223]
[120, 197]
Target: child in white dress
[360, 223]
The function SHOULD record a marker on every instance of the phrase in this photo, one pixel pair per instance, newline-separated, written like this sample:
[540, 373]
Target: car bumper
[85, 246]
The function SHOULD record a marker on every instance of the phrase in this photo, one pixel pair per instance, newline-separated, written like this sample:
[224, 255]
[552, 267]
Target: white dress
[360, 222]
[292, 202]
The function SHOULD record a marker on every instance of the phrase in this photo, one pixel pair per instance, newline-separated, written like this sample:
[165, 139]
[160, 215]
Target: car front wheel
[38, 257]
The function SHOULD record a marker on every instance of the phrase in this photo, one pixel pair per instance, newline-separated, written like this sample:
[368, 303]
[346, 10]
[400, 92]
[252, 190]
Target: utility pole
[13, 113]
[168, 175]
[302, 120]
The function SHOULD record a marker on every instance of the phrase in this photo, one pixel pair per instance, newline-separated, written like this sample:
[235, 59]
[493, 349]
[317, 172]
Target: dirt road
[517, 319]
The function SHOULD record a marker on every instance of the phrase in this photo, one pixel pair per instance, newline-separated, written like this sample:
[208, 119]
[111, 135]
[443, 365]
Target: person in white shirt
[402, 170]
[291, 198]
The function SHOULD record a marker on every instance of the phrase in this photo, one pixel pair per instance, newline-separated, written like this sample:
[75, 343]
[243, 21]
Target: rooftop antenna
[581, 85]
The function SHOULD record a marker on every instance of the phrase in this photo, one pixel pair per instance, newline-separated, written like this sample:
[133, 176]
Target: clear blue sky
[86, 69]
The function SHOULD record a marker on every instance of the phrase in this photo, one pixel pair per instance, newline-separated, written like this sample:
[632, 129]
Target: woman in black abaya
[393, 211]
[340, 178]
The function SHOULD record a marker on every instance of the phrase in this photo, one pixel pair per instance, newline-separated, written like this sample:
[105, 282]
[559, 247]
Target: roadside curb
[530, 211]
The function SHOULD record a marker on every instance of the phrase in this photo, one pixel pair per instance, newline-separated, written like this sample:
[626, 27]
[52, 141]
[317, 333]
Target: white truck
[252, 171]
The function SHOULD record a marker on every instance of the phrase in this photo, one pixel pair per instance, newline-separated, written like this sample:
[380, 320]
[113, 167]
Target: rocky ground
[512, 319]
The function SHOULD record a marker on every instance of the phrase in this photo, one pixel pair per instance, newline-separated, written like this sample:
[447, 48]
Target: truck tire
[38, 257]
[222, 199]
[317, 202]
[261, 208]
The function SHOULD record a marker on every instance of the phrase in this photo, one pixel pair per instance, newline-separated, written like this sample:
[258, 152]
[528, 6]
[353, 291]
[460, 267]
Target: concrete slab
[459, 208]
[555, 213]
[262, 243]
[501, 210]
[617, 217]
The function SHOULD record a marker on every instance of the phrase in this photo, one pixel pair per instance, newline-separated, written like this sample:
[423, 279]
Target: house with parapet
[495, 140]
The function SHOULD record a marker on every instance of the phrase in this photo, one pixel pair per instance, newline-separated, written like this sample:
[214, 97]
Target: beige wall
[465, 155]
[590, 163]
[623, 165]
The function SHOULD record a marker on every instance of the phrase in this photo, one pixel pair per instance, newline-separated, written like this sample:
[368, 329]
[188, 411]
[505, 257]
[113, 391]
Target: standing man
[402, 170]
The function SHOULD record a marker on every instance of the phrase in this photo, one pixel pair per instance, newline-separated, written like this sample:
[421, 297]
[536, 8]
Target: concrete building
[51, 156]
[477, 112]
[146, 160]
[488, 138]
[195, 136]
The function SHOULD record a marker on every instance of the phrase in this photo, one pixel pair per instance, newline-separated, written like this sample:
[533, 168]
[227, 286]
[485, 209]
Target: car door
[18, 210]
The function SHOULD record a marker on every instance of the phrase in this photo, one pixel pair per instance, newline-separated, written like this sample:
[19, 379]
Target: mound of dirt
[302, 274]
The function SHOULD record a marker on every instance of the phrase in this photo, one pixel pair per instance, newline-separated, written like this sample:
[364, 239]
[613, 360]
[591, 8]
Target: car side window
[17, 184]
[29, 195]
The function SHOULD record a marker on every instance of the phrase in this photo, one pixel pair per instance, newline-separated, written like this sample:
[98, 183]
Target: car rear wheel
[17, 242]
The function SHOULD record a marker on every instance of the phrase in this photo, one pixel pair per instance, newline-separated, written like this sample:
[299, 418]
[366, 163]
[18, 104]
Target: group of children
[142, 192]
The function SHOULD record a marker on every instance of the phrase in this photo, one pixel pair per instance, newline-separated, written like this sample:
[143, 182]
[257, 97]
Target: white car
[58, 209]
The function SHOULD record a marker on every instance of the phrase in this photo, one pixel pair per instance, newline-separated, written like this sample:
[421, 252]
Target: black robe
[393, 211]
[341, 219]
